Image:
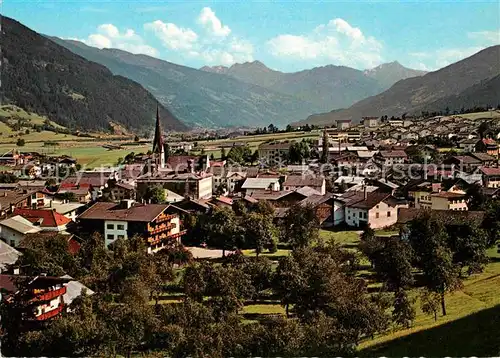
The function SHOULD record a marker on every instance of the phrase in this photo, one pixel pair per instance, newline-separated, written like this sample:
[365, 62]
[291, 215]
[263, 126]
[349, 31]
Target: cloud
[212, 24]
[213, 45]
[487, 37]
[337, 42]
[172, 36]
[109, 36]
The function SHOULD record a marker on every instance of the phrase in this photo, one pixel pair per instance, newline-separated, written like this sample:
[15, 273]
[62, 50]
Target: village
[377, 175]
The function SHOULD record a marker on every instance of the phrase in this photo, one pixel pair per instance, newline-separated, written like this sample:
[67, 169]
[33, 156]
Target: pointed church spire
[158, 140]
[158, 145]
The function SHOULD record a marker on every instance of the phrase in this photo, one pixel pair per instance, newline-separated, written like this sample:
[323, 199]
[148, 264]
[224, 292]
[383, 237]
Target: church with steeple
[158, 144]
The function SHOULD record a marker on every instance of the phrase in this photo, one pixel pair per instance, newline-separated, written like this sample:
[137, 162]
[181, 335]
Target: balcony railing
[50, 295]
[159, 238]
[162, 228]
[50, 314]
[166, 218]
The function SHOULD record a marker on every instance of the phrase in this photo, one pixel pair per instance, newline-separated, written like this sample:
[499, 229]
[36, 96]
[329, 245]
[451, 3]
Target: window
[388, 214]
[121, 237]
[110, 226]
[120, 227]
[110, 237]
[377, 215]
[12, 242]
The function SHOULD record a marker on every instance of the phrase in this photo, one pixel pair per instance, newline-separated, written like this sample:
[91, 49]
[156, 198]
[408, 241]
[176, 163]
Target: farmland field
[90, 154]
[482, 115]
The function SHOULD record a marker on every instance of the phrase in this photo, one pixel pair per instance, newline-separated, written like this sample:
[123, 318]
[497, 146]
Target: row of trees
[329, 309]
[434, 253]
[241, 228]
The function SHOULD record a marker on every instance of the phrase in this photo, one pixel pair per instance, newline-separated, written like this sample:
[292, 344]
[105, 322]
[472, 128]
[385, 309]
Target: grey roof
[20, 224]
[366, 153]
[315, 200]
[8, 255]
[307, 191]
[350, 180]
[64, 208]
[259, 183]
[74, 289]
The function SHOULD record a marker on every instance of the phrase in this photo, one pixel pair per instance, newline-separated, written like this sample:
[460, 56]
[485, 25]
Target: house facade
[128, 218]
[491, 177]
[274, 153]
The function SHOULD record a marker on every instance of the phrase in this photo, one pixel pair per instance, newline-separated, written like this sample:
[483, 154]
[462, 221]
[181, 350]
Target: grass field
[13, 113]
[482, 115]
[470, 327]
[90, 154]
[212, 146]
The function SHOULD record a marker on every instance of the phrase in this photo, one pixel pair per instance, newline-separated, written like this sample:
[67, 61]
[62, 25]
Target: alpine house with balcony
[129, 218]
[38, 298]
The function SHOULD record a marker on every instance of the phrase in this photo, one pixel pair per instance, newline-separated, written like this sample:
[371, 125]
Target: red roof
[490, 171]
[224, 199]
[49, 218]
[489, 141]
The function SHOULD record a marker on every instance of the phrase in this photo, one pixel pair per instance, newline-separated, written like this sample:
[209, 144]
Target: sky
[285, 35]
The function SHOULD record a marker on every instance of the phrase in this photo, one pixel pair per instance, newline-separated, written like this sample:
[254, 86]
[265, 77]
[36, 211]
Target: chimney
[127, 203]
[365, 194]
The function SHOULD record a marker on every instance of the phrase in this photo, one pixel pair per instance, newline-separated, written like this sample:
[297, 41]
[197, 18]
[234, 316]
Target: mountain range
[83, 87]
[326, 87]
[40, 76]
[248, 94]
[471, 82]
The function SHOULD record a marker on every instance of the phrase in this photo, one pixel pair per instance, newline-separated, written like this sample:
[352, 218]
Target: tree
[300, 226]
[168, 152]
[155, 195]
[476, 198]
[136, 138]
[240, 154]
[288, 282]
[223, 153]
[484, 128]
[20, 142]
[317, 284]
[468, 243]
[326, 147]
[429, 302]
[491, 223]
[404, 312]
[429, 240]
[222, 229]
[49, 255]
[259, 231]
[129, 158]
[299, 151]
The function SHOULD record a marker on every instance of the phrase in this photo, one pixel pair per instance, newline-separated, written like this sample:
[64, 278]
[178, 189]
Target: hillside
[197, 97]
[40, 76]
[485, 94]
[414, 94]
[327, 87]
[388, 74]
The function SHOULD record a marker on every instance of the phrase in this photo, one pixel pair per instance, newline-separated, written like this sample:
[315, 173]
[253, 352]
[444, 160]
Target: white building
[252, 185]
[13, 230]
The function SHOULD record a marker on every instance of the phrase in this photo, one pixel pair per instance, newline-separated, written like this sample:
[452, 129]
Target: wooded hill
[41, 76]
